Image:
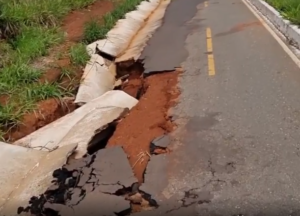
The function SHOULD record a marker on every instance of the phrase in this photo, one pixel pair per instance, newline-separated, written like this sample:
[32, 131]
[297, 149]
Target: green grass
[79, 55]
[9, 115]
[16, 13]
[28, 28]
[289, 9]
[95, 30]
[42, 91]
[34, 41]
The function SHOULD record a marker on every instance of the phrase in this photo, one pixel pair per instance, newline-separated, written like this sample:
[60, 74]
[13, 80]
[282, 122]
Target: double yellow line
[210, 55]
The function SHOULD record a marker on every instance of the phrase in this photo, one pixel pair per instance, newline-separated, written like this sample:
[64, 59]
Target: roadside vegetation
[28, 29]
[289, 9]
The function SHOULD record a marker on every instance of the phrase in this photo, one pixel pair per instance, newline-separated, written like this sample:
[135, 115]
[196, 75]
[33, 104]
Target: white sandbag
[120, 36]
[96, 80]
[91, 124]
[138, 43]
[52, 134]
[125, 30]
[26, 173]
[91, 48]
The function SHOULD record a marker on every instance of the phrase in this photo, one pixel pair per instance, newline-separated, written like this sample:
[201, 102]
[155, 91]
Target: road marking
[273, 33]
[210, 56]
[205, 4]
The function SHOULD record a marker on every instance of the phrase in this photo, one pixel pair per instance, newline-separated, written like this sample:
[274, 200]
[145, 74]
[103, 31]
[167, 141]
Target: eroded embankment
[107, 181]
[59, 69]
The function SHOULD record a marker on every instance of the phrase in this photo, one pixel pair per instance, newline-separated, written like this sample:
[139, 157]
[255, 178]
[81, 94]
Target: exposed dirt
[50, 110]
[3, 99]
[147, 120]
[47, 111]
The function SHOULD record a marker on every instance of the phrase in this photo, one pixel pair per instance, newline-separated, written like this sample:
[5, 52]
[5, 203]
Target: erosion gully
[110, 179]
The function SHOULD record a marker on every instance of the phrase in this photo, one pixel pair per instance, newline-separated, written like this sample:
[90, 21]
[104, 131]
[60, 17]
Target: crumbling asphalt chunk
[89, 184]
[86, 173]
[162, 141]
[114, 168]
[180, 204]
[98, 204]
[155, 179]
[159, 145]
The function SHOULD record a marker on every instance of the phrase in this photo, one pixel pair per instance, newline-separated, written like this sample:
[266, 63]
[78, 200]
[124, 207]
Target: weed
[15, 13]
[7, 54]
[9, 115]
[28, 28]
[35, 41]
[289, 9]
[16, 76]
[93, 31]
[78, 54]
[42, 91]
[96, 31]
[66, 72]
[2, 134]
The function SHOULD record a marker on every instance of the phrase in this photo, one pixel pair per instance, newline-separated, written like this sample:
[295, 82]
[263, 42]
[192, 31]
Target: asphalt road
[237, 149]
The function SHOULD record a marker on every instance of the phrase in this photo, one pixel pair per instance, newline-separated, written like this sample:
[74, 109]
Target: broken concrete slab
[15, 163]
[92, 47]
[43, 138]
[91, 124]
[97, 79]
[155, 176]
[36, 178]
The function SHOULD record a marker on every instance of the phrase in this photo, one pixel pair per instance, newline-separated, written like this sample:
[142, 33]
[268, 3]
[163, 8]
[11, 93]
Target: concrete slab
[102, 108]
[36, 179]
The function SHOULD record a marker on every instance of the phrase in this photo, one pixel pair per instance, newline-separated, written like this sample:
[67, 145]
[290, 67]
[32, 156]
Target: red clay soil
[73, 26]
[147, 120]
[51, 110]
[47, 112]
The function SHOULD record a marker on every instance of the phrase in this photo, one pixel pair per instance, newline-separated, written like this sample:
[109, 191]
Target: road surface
[237, 148]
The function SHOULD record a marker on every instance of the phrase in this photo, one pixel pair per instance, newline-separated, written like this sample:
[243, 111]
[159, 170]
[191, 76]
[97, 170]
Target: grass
[28, 28]
[78, 54]
[95, 30]
[289, 9]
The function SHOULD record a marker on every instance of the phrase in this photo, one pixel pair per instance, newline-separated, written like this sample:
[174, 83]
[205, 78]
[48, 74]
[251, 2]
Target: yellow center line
[210, 56]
